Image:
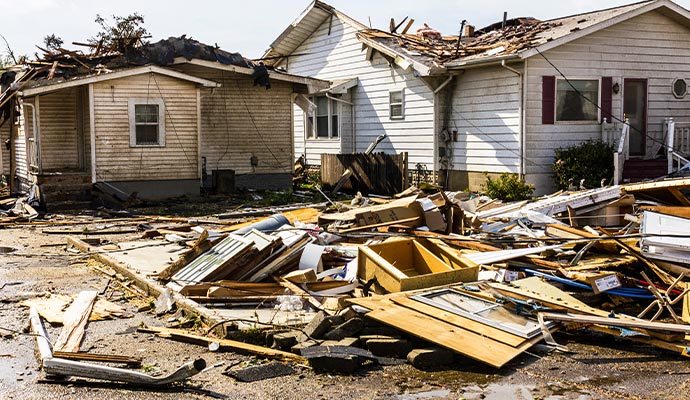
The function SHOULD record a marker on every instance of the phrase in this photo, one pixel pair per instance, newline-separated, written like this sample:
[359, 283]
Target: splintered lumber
[201, 246]
[59, 366]
[302, 293]
[75, 319]
[225, 344]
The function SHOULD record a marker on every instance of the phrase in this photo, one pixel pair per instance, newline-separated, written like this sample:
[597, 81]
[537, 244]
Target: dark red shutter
[548, 99]
[606, 100]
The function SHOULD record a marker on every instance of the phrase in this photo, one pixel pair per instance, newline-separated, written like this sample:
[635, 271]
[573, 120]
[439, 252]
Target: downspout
[34, 130]
[521, 143]
[449, 149]
[352, 118]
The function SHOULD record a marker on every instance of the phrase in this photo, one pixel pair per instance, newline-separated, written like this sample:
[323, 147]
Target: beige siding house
[159, 131]
[507, 97]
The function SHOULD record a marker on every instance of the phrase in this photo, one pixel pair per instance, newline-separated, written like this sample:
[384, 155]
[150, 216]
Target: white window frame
[333, 111]
[401, 104]
[131, 103]
[673, 88]
[555, 103]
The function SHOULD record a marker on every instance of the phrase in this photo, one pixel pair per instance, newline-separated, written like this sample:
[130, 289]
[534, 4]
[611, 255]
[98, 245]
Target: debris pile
[422, 278]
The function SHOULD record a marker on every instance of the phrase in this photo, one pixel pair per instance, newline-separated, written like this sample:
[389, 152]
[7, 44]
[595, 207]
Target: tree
[52, 42]
[121, 33]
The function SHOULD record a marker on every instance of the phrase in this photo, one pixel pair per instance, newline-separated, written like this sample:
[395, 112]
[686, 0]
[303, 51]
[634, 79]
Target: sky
[249, 27]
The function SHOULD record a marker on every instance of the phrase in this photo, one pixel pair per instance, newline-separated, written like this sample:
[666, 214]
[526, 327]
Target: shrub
[591, 160]
[508, 187]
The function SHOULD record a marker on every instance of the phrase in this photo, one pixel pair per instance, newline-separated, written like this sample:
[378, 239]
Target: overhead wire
[595, 104]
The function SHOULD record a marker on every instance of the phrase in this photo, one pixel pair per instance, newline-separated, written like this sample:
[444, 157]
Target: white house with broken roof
[157, 129]
[503, 100]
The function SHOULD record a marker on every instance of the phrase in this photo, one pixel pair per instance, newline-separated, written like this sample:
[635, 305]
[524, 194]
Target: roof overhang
[665, 7]
[88, 79]
[318, 84]
[302, 28]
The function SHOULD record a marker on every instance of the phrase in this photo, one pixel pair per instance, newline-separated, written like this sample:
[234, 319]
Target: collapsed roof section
[65, 64]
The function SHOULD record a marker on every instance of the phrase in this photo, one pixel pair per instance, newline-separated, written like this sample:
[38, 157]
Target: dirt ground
[597, 368]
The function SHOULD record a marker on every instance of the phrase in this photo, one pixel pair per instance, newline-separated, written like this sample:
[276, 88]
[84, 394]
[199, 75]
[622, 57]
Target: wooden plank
[677, 211]
[628, 323]
[459, 321]
[470, 344]
[225, 344]
[109, 358]
[75, 319]
[679, 196]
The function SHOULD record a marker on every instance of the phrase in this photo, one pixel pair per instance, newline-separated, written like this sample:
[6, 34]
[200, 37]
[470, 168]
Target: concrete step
[73, 205]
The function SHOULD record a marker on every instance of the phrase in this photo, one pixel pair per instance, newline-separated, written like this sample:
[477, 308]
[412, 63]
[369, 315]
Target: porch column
[92, 133]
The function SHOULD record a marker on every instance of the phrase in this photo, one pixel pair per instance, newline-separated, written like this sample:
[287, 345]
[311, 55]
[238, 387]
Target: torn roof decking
[523, 38]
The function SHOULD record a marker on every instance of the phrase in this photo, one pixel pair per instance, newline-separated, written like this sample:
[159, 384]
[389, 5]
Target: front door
[635, 109]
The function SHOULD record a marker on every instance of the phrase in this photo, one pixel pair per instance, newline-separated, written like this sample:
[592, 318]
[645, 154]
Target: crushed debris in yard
[429, 281]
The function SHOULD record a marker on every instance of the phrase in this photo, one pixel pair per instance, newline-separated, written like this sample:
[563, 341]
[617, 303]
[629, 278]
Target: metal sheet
[209, 262]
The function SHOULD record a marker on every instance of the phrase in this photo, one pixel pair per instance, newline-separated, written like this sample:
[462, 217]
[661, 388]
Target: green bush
[508, 187]
[591, 160]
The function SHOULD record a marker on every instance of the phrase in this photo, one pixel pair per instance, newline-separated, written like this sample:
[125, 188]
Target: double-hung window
[396, 104]
[324, 123]
[146, 122]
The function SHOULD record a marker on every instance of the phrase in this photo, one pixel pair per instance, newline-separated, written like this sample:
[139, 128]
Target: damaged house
[161, 120]
[502, 98]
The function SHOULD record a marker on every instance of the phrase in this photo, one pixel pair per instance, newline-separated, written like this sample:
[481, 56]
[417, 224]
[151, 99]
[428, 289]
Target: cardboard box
[404, 211]
[402, 265]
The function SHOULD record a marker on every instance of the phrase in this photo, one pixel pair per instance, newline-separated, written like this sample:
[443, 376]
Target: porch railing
[618, 136]
[677, 145]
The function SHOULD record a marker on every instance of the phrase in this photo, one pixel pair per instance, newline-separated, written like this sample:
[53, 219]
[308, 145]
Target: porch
[669, 155]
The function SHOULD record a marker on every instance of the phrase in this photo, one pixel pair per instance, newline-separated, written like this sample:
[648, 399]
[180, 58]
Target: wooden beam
[225, 344]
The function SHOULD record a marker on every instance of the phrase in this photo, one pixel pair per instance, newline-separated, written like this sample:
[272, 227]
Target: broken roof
[523, 38]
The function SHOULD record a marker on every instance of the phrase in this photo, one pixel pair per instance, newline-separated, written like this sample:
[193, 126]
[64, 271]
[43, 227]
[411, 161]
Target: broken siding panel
[239, 120]
[486, 114]
[649, 46]
[340, 56]
[58, 132]
[116, 160]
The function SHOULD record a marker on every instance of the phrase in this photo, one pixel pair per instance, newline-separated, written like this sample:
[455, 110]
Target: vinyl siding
[650, 46]
[486, 114]
[58, 132]
[340, 56]
[239, 120]
[116, 160]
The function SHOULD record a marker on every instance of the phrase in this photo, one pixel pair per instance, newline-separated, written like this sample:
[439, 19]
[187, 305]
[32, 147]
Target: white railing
[617, 135]
[677, 144]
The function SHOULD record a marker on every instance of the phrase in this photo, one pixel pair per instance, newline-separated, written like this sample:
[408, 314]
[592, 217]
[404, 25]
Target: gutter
[521, 111]
[353, 117]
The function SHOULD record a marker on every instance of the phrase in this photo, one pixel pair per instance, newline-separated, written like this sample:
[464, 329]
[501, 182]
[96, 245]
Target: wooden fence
[377, 173]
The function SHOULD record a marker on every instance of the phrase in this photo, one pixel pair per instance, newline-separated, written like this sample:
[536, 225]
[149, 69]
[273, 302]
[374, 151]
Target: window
[396, 104]
[324, 123]
[146, 122]
[680, 88]
[480, 310]
[571, 104]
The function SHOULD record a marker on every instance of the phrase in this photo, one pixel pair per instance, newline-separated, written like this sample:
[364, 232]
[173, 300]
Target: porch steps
[636, 170]
[65, 192]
